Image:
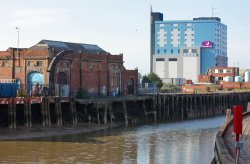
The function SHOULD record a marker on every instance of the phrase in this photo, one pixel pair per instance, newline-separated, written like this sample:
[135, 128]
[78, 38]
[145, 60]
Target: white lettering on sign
[7, 80]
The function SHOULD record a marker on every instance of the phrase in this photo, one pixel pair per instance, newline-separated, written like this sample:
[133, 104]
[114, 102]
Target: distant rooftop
[208, 18]
[60, 46]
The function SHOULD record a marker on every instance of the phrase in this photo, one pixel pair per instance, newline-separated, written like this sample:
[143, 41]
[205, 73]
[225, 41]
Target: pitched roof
[60, 46]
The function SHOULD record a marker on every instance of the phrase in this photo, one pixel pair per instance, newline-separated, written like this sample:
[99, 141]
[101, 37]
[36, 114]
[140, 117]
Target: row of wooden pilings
[125, 110]
[34, 104]
[193, 106]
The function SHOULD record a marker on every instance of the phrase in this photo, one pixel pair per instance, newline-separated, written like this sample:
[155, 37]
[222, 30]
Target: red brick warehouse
[65, 67]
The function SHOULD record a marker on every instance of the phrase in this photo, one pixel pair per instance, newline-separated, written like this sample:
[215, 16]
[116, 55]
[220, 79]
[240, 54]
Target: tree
[145, 79]
[152, 78]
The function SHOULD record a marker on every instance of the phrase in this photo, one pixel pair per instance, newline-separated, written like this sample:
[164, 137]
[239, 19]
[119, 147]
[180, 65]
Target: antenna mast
[213, 13]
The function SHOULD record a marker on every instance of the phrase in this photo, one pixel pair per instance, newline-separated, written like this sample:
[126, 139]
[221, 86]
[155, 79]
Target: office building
[184, 49]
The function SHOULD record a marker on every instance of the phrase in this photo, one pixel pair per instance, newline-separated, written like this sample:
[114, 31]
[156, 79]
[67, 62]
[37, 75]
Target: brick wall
[195, 88]
[205, 78]
[230, 85]
[130, 75]
[98, 73]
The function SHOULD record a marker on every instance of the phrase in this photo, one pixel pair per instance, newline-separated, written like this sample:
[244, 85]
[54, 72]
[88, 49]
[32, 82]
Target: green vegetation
[152, 78]
[168, 88]
[213, 88]
[82, 93]
[22, 93]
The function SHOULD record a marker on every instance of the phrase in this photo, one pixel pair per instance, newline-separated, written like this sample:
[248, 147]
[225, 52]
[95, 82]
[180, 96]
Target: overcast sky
[117, 26]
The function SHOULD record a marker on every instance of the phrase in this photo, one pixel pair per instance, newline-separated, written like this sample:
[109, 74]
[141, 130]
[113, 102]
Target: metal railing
[61, 90]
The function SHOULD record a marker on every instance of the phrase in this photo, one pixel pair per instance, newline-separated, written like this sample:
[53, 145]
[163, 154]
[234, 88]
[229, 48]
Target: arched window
[62, 78]
[130, 86]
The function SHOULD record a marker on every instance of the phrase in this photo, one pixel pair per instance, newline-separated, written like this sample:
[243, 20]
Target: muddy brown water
[188, 142]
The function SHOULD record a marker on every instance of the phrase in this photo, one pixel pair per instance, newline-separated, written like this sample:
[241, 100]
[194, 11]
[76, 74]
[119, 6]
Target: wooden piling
[182, 108]
[188, 107]
[72, 110]
[125, 112]
[173, 108]
[164, 107]
[10, 115]
[47, 104]
[29, 114]
[58, 111]
[26, 112]
[201, 106]
[196, 111]
[105, 113]
[75, 111]
[159, 107]
[86, 113]
[97, 114]
[144, 108]
[168, 108]
[42, 106]
[110, 112]
[13, 104]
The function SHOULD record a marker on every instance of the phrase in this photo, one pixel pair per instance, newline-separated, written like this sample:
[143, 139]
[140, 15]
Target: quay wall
[60, 111]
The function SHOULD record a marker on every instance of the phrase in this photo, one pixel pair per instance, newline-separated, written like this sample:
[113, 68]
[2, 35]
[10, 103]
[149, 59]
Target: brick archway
[52, 65]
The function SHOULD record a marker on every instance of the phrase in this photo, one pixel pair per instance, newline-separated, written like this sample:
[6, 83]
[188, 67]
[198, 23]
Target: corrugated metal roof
[60, 46]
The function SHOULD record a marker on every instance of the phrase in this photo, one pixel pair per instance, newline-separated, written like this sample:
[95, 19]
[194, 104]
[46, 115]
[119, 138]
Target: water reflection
[183, 142]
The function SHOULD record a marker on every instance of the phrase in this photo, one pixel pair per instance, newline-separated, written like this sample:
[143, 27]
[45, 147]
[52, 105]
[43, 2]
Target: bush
[214, 88]
[169, 88]
[22, 93]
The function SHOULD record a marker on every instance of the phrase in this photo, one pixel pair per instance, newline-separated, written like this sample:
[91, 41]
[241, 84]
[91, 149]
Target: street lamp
[17, 28]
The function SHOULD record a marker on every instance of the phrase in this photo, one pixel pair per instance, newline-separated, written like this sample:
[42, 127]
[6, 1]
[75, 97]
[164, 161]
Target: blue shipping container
[8, 90]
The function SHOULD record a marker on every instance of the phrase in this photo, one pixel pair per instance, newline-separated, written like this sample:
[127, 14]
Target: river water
[187, 142]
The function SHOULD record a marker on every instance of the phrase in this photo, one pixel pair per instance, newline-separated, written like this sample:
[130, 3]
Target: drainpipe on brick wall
[25, 75]
[69, 77]
[98, 85]
[13, 65]
[121, 82]
[108, 75]
[80, 69]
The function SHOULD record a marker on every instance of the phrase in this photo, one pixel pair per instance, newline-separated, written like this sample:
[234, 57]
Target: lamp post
[17, 28]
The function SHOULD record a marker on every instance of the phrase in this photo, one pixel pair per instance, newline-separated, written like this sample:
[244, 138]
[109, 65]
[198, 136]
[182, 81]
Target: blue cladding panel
[204, 32]
[207, 59]
[8, 90]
